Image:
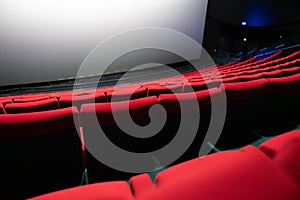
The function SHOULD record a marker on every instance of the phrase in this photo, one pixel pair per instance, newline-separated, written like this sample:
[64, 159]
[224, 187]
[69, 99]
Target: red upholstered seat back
[30, 99]
[284, 84]
[2, 110]
[138, 109]
[38, 124]
[171, 101]
[78, 100]
[245, 90]
[35, 106]
[284, 151]
[41, 152]
[118, 190]
[245, 174]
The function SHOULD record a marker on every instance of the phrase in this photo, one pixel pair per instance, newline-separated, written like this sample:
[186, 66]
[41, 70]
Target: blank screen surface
[47, 40]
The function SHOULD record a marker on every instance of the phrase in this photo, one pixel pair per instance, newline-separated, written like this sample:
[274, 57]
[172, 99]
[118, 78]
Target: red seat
[244, 103]
[41, 152]
[5, 101]
[272, 74]
[123, 94]
[30, 99]
[35, 106]
[69, 101]
[251, 77]
[171, 101]
[118, 190]
[283, 98]
[241, 174]
[284, 151]
[101, 117]
[198, 86]
[245, 90]
[2, 110]
[187, 106]
[159, 89]
[291, 71]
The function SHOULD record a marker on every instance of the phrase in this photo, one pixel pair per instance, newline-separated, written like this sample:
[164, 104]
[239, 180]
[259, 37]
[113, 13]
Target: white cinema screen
[47, 40]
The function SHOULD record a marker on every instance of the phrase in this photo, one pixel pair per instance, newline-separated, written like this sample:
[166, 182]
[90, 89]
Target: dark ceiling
[255, 12]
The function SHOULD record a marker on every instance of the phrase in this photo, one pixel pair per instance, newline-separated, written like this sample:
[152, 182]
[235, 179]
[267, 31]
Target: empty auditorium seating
[40, 152]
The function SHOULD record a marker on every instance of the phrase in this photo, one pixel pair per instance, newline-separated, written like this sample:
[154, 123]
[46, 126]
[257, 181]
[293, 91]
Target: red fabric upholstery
[246, 174]
[251, 77]
[2, 110]
[285, 84]
[170, 101]
[5, 101]
[272, 74]
[118, 190]
[239, 174]
[198, 86]
[160, 89]
[291, 71]
[245, 90]
[41, 152]
[36, 106]
[126, 94]
[284, 151]
[24, 125]
[138, 109]
[140, 184]
[30, 99]
[69, 101]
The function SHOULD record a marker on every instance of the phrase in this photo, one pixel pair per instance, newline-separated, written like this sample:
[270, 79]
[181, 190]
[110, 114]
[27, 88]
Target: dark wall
[269, 22]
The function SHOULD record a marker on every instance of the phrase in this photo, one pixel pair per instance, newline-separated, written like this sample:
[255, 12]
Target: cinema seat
[244, 102]
[272, 74]
[198, 86]
[251, 77]
[284, 150]
[283, 97]
[69, 101]
[118, 190]
[156, 90]
[239, 174]
[123, 94]
[139, 114]
[40, 152]
[30, 99]
[2, 110]
[5, 101]
[291, 71]
[35, 106]
[183, 105]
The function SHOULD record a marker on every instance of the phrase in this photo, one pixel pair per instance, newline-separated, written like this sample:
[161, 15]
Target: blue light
[259, 14]
[244, 23]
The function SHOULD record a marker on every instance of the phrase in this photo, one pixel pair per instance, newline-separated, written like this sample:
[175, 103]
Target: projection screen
[47, 40]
